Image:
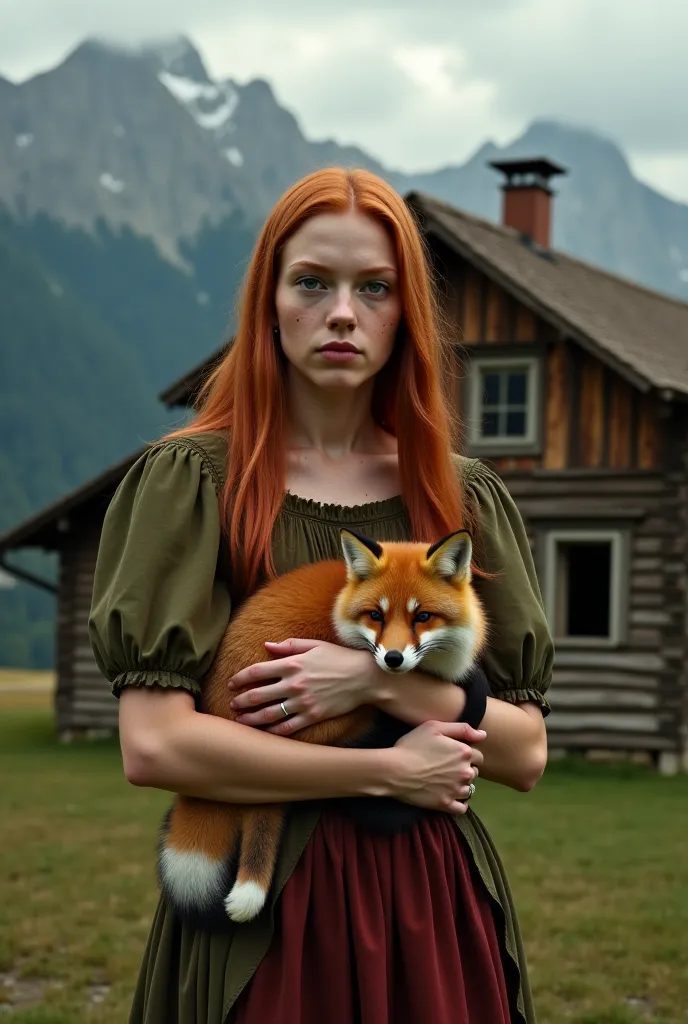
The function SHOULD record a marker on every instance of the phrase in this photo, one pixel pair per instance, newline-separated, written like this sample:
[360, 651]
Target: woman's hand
[314, 680]
[437, 763]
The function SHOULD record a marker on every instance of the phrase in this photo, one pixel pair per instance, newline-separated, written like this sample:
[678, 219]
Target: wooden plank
[573, 372]
[607, 378]
[650, 486]
[525, 324]
[649, 617]
[635, 406]
[647, 581]
[493, 316]
[648, 440]
[649, 564]
[591, 413]
[582, 739]
[647, 545]
[574, 508]
[483, 291]
[515, 463]
[557, 409]
[620, 424]
[471, 303]
[645, 638]
[617, 722]
[594, 697]
[631, 661]
[647, 599]
[583, 678]
[94, 709]
[510, 314]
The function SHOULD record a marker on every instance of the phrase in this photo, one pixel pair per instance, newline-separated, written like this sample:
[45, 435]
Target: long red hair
[246, 396]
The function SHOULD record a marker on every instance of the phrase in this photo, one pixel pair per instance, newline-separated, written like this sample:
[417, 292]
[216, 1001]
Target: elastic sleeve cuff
[519, 696]
[154, 677]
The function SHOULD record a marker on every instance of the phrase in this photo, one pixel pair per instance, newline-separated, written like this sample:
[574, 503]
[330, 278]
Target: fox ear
[361, 554]
[450, 557]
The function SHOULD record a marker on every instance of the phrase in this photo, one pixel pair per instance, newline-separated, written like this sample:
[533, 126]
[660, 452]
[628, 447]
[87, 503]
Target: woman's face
[337, 299]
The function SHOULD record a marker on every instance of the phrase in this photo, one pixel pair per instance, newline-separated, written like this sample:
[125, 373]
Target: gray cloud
[418, 85]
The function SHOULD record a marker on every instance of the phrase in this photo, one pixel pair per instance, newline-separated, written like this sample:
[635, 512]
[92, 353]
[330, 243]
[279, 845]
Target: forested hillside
[92, 327]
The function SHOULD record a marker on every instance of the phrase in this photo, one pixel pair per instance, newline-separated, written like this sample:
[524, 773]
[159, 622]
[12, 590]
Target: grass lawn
[596, 856]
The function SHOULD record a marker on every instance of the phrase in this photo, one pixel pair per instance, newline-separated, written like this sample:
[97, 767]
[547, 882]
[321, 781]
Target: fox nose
[394, 659]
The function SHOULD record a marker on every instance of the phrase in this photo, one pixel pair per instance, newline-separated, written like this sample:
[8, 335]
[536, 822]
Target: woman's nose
[342, 315]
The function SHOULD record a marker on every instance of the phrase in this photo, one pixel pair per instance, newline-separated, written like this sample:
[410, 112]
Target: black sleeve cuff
[477, 688]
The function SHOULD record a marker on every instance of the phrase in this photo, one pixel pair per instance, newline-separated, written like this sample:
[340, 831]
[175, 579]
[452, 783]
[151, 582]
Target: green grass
[596, 856]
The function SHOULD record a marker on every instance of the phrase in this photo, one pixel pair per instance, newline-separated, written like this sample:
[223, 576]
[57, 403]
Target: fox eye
[423, 616]
[375, 615]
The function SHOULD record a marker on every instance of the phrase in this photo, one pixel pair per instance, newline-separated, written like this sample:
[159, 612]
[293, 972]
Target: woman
[327, 411]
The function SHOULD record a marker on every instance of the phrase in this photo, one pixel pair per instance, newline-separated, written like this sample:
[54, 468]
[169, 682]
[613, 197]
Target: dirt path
[18, 680]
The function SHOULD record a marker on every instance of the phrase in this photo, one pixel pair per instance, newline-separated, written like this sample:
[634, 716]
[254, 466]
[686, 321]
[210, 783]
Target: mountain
[145, 138]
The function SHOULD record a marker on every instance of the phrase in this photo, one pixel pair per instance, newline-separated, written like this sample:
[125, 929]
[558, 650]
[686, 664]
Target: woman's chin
[336, 378]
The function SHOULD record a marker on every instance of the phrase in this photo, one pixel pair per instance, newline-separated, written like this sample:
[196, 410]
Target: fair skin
[337, 282]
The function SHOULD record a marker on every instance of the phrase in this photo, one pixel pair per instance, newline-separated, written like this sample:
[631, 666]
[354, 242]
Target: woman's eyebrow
[312, 265]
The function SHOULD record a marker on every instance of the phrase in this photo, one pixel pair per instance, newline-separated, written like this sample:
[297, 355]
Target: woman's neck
[335, 423]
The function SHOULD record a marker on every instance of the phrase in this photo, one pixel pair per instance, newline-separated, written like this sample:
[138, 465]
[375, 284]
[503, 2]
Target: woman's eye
[375, 615]
[423, 617]
[377, 287]
[309, 284]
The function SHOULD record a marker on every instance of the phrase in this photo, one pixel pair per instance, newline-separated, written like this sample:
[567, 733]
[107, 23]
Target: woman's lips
[339, 351]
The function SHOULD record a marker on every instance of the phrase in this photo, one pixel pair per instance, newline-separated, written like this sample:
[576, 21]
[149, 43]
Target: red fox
[412, 606]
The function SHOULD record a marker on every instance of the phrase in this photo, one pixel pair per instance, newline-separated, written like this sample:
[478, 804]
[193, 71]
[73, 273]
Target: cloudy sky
[418, 83]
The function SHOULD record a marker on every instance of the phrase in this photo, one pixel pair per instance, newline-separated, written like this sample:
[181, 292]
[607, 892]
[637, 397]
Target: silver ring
[286, 713]
[471, 791]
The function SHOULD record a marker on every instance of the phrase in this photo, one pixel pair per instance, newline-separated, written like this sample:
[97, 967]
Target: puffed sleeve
[160, 605]
[519, 655]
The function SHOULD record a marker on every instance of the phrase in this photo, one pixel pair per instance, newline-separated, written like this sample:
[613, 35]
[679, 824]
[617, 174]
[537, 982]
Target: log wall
[85, 704]
[631, 697]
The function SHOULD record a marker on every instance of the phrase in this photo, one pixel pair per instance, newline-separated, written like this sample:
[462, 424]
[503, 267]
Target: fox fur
[412, 606]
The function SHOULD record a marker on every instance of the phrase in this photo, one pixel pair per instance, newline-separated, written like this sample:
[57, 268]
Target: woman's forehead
[331, 239]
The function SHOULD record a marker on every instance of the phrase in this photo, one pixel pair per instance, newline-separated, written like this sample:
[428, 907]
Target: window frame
[531, 442]
[618, 584]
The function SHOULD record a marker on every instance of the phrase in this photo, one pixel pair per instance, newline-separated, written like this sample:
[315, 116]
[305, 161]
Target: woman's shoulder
[210, 448]
[466, 467]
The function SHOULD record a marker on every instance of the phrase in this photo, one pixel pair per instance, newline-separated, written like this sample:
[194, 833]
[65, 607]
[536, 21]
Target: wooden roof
[47, 529]
[641, 333]
[184, 390]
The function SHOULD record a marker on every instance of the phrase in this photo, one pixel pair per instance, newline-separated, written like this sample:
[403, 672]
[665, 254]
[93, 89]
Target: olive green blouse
[160, 606]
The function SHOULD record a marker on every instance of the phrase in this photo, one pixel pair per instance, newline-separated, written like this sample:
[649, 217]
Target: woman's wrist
[415, 697]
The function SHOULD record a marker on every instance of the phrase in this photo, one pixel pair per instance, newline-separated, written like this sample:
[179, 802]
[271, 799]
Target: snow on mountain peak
[210, 105]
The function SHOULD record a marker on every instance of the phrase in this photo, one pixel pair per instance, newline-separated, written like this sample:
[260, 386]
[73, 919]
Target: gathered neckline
[386, 508]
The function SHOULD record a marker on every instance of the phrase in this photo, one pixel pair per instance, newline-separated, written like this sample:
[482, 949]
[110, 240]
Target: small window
[503, 405]
[584, 590]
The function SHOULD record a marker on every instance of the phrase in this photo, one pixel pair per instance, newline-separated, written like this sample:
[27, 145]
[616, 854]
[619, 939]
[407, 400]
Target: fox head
[411, 605]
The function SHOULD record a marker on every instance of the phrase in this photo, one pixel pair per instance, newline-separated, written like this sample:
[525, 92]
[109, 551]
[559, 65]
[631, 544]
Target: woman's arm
[167, 744]
[515, 750]
[318, 680]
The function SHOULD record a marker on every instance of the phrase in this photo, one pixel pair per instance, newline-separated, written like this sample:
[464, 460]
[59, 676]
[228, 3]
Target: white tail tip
[193, 879]
[245, 901]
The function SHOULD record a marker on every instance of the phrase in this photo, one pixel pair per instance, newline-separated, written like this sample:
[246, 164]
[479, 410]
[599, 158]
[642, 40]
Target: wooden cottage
[573, 383]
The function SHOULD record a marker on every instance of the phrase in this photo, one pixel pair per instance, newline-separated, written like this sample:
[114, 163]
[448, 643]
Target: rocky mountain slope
[146, 139]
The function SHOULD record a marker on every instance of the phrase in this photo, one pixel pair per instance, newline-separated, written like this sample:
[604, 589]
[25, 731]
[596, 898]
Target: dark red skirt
[381, 930]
